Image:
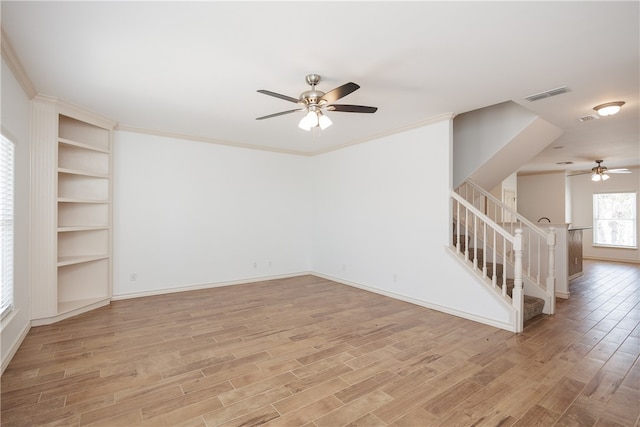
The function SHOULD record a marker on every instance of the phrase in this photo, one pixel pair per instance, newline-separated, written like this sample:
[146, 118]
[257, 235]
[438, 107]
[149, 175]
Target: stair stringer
[486, 285]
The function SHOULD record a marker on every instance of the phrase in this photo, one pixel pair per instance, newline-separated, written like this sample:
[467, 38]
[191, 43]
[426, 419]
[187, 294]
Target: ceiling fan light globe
[304, 124]
[312, 119]
[324, 122]
[605, 177]
[595, 177]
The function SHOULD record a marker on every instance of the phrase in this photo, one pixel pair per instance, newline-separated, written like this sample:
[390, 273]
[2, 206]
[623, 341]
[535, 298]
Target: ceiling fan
[601, 173]
[316, 103]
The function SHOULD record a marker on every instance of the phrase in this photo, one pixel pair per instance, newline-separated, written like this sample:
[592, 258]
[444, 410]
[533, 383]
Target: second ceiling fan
[316, 103]
[601, 173]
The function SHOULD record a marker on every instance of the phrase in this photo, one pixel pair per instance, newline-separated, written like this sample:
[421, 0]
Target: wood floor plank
[537, 416]
[306, 414]
[354, 410]
[308, 395]
[562, 395]
[306, 351]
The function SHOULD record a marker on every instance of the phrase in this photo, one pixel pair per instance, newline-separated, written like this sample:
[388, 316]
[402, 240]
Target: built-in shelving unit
[84, 214]
[75, 210]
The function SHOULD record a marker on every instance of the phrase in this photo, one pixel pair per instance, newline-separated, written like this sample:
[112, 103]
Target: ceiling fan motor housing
[599, 169]
[311, 97]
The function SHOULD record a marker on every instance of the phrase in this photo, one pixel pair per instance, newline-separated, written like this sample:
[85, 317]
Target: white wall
[191, 213]
[542, 195]
[381, 222]
[15, 126]
[582, 190]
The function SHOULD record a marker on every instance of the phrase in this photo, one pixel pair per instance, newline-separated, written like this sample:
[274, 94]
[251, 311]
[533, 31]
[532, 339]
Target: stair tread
[532, 307]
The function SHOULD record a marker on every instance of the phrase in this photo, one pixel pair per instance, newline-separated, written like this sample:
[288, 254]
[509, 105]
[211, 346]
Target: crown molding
[75, 111]
[14, 64]
[431, 120]
[208, 140]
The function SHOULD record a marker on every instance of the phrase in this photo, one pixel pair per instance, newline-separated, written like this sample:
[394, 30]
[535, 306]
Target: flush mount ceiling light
[315, 103]
[609, 108]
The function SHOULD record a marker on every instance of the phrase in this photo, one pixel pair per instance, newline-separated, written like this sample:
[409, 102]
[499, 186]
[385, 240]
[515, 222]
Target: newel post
[517, 296]
[551, 273]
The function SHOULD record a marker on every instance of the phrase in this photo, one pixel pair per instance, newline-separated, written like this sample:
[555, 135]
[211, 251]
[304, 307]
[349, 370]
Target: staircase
[510, 255]
[532, 306]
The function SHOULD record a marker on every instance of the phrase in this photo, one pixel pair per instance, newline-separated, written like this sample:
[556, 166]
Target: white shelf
[82, 228]
[83, 173]
[71, 200]
[69, 306]
[72, 260]
[82, 215]
[72, 143]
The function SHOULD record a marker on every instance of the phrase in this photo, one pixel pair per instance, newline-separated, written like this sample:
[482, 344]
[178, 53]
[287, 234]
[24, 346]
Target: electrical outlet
[255, 265]
[133, 277]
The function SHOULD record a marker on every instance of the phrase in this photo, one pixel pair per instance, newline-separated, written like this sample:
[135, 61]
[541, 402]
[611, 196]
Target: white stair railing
[483, 224]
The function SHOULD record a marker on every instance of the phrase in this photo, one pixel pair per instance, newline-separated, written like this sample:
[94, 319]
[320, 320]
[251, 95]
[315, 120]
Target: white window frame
[7, 224]
[633, 244]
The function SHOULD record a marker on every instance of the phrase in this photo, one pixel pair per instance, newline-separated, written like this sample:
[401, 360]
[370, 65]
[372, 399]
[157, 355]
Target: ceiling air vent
[587, 118]
[547, 94]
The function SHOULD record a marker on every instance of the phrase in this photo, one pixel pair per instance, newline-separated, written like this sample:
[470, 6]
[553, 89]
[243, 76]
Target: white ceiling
[193, 68]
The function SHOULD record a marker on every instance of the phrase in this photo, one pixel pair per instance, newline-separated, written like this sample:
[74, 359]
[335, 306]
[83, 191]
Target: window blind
[7, 150]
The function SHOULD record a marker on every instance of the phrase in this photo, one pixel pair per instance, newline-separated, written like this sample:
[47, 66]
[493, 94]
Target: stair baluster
[517, 296]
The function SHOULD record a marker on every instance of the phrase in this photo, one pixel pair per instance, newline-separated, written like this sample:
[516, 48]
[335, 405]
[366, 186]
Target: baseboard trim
[14, 347]
[201, 286]
[575, 276]
[448, 310]
[75, 312]
[623, 261]
[422, 303]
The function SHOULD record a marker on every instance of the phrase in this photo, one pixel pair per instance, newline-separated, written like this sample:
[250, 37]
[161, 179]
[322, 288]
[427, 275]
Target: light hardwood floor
[309, 352]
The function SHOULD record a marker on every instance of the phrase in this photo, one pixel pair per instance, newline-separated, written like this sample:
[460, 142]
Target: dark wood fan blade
[352, 108]
[278, 95]
[279, 114]
[339, 92]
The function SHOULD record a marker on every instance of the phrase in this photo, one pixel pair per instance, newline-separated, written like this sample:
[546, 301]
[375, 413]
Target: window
[614, 220]
[6, 224]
